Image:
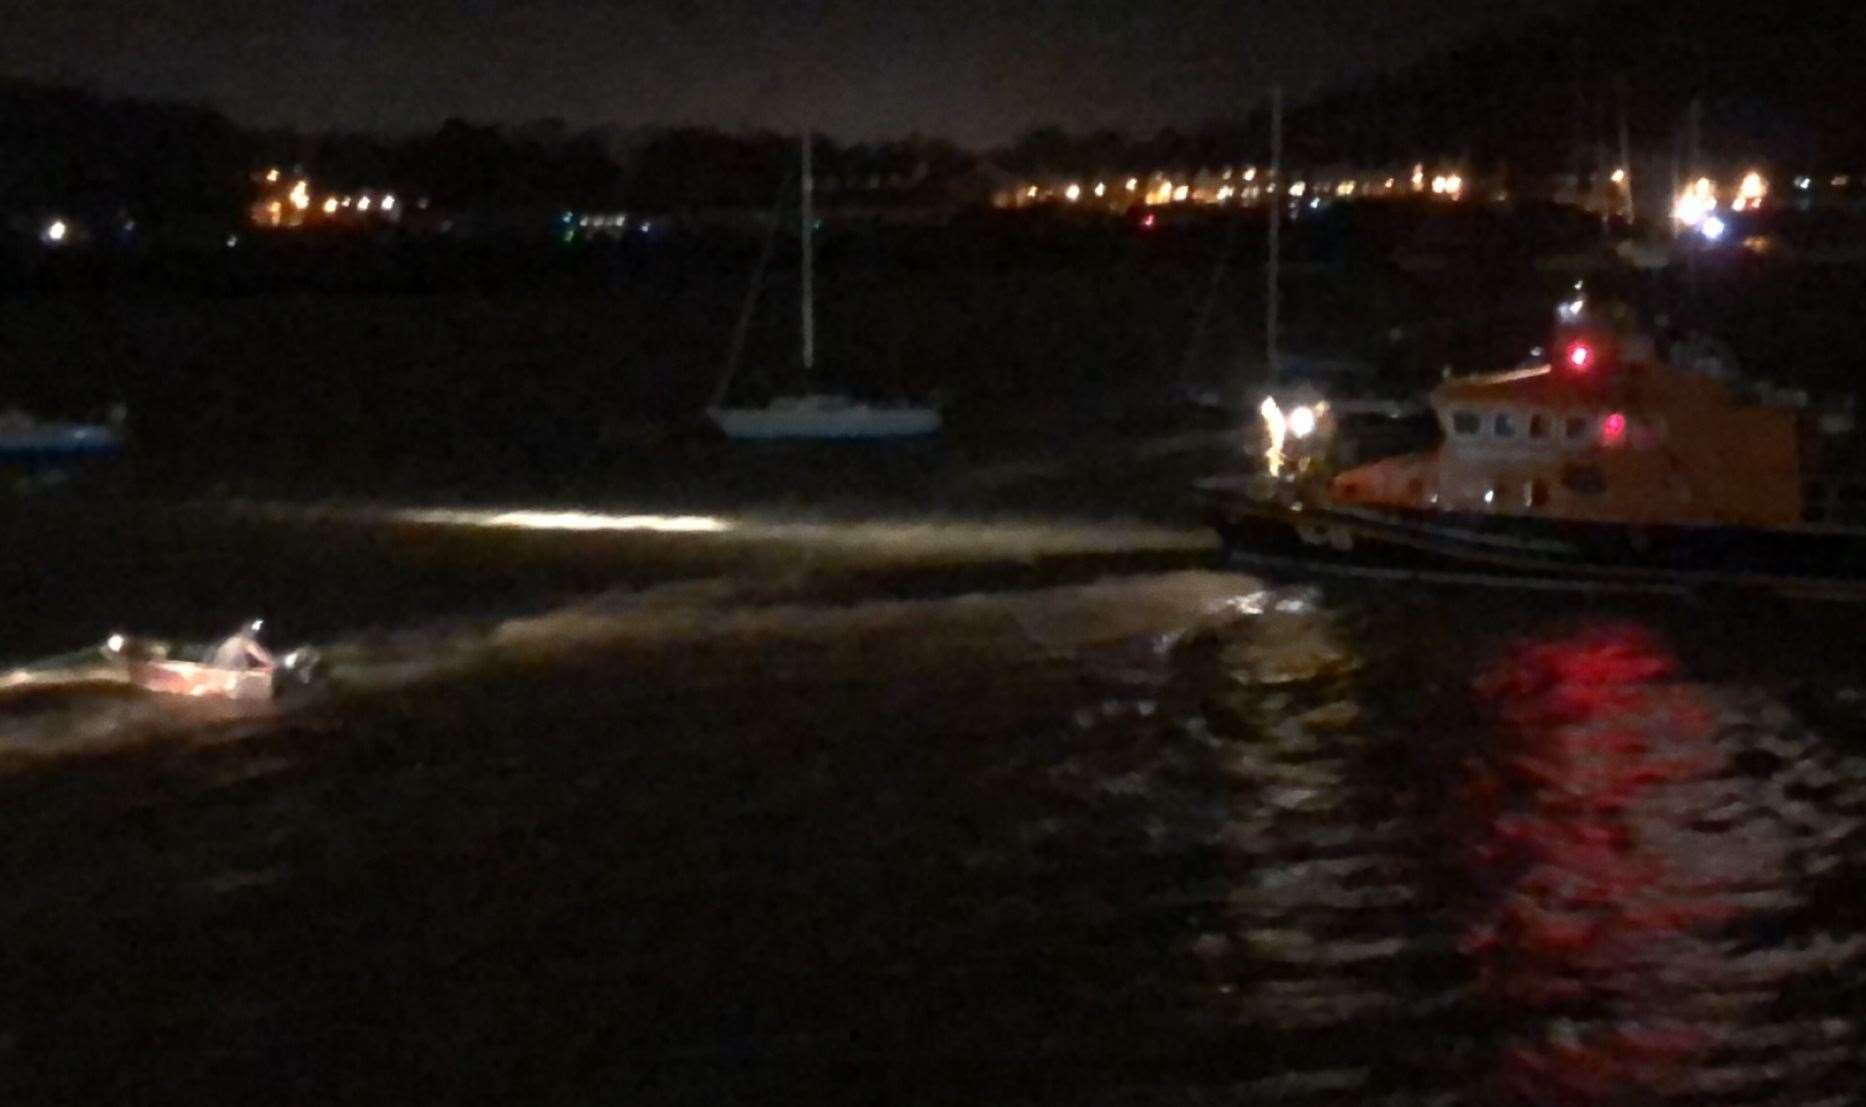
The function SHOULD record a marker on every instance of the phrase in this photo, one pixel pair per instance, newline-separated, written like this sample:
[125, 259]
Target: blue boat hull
[50, 454]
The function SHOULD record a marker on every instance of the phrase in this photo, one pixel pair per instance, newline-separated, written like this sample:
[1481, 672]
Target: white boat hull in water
[826, 417]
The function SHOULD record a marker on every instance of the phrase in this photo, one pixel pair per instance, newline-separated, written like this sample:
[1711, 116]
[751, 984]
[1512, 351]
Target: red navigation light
[1580, 356]
[1612, 429]
[1146, 221]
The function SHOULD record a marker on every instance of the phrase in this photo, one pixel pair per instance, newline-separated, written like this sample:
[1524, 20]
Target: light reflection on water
[878, 538]
[1606, 883]
[520, 519]
[1646, 914]
[1617, 899]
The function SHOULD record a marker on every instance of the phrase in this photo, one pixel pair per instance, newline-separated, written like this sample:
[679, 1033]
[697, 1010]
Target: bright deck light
[1751, 192]
[1695, 203]
[1302, 422]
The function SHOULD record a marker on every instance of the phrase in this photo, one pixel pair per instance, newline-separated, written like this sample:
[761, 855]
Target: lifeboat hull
[1798, 559]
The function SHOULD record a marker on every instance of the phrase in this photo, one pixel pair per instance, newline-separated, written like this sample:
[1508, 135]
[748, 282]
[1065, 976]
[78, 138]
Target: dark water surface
[974, 808]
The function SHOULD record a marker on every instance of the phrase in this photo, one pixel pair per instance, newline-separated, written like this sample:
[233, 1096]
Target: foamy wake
[1120, 625]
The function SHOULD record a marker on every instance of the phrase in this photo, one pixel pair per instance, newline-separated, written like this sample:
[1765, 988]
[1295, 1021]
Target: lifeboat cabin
[1605, 433]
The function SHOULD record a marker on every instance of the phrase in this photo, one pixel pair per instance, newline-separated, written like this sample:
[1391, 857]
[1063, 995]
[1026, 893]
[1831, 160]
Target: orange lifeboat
[1600, 435]
[1604, 460]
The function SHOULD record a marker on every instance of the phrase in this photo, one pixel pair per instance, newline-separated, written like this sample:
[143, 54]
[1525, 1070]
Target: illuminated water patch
[933, 535]
[566, 521]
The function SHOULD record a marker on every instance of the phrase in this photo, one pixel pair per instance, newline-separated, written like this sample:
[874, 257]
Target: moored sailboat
[818, 415]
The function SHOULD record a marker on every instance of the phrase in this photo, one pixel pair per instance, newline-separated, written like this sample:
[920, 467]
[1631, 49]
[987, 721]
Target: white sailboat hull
[826, 417]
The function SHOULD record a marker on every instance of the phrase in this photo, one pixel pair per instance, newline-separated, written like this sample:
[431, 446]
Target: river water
[634, 807]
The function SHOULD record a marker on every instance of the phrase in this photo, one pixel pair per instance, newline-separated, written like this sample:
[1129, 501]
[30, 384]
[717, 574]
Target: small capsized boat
[238, 667]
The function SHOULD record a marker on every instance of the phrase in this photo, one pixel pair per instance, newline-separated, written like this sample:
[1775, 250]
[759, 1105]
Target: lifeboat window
[1538, 426]
[1503, 426]
[1576, 428]
[1465, 422]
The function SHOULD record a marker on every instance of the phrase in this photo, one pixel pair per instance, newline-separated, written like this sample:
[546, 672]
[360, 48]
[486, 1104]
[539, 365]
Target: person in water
[242, 650]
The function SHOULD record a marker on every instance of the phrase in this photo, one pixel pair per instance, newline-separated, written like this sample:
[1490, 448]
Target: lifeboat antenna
[1275, 204]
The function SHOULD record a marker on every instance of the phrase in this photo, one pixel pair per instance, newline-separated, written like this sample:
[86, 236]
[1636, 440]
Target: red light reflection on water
[1599, 916]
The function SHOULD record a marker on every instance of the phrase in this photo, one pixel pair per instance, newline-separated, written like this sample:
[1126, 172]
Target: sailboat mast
[1275, 204]
[808, 228]
[1626, 158]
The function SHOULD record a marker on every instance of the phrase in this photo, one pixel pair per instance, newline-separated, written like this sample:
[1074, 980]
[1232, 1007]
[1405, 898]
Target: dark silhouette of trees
[1779, 85]
[68, 149]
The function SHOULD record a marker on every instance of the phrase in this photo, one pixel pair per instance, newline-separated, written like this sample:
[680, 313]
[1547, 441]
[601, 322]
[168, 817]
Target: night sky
[978, 71]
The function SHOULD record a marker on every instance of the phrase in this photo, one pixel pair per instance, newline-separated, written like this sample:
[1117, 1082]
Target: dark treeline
[71, 151]
[547, 164]
[68, 149]
[1777, 84]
